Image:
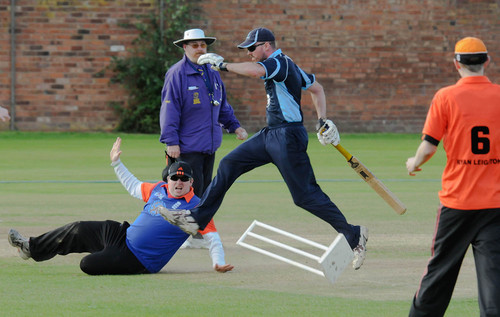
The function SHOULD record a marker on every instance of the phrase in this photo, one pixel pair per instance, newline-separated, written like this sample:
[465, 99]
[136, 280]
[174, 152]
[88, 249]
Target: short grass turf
[50, 179]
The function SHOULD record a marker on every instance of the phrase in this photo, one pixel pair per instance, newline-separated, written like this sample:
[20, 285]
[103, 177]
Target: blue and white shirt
[152, 239]
[284, 82]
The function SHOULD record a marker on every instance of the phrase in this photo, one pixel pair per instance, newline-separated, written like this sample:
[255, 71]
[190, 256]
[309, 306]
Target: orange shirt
[467, 117]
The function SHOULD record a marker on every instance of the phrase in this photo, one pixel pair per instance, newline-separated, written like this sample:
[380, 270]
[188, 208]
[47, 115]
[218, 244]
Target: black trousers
[455, 231]
[105, 240]
[203, 167]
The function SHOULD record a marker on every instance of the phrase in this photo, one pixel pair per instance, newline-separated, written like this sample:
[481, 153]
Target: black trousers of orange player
[456, 230]
[104, 240]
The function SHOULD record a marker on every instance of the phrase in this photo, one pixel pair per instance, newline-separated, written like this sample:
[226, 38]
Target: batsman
[283, 142]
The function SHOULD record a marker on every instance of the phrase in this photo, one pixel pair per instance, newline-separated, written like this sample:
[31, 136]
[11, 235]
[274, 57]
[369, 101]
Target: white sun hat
[194, 35]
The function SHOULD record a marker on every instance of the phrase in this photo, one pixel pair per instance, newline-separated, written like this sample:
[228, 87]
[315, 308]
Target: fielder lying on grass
[145, 246]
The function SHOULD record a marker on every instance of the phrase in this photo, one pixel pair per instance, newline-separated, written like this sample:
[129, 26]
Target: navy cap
[257, 35]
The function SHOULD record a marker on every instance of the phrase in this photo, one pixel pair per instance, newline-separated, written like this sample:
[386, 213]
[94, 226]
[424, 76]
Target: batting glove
[217, 61]
[327, 132]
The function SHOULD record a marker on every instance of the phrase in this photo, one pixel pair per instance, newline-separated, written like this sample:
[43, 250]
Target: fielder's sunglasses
[183, 178]
[253, 47]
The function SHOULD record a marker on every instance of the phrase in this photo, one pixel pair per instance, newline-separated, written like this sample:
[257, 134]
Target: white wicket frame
[333, 261]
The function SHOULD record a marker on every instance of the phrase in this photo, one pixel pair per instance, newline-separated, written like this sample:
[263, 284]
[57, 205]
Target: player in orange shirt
[145, 246]
[465, 116]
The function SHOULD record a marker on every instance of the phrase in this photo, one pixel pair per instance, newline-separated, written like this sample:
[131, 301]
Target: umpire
[194, 108]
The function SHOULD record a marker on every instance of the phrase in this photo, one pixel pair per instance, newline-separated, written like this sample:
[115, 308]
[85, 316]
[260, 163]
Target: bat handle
[343, 151]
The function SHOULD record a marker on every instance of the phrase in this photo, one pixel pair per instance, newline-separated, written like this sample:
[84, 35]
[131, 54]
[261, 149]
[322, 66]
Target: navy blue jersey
[284, 84]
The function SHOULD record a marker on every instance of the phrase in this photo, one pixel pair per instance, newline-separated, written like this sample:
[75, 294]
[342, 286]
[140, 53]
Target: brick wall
[60, 46]
[380, 61]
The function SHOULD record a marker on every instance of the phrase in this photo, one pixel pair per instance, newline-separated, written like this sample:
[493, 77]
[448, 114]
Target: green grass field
[50, 179]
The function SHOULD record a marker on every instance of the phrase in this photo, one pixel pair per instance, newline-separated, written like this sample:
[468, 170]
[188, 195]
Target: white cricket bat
[373, 181]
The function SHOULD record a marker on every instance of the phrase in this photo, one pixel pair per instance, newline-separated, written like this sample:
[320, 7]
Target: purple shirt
[189, 116]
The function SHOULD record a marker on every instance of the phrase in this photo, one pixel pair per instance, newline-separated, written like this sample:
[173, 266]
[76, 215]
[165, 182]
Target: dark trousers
[455, 231]
[105, 240]
[286, 148]
[203, 167]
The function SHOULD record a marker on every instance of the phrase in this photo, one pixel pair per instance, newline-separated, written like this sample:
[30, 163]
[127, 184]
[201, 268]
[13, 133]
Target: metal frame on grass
[334, 260]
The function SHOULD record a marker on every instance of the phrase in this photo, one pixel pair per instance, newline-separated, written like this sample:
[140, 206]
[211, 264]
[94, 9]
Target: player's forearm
[127, 179]
[318, 99]
[319, 103]
[247, 69]
[216, 249]
[424, 152]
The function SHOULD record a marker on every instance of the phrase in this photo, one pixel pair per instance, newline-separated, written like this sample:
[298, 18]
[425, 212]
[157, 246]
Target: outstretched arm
[217, 252]
[115, 152]
[128, 180]
[249, 69]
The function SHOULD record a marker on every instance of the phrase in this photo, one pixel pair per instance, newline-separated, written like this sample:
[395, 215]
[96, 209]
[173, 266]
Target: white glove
[217, 61]
[328, 133]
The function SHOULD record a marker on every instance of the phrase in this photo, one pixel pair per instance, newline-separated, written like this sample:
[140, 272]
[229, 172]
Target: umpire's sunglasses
[253, 47]
[195, 45]
[183, 178]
